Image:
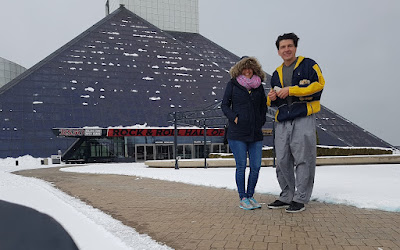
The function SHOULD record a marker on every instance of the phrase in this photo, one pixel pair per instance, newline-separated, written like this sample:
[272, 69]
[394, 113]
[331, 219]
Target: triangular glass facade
[123, 71]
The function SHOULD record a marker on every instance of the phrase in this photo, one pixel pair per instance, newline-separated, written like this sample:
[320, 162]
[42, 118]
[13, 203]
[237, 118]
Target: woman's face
[247, 73]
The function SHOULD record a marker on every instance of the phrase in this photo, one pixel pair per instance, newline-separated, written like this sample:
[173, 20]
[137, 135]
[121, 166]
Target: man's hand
[236, 120]
[272, 95]
[283, 93]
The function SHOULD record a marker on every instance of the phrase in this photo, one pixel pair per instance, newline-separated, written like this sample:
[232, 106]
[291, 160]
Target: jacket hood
[247, 63]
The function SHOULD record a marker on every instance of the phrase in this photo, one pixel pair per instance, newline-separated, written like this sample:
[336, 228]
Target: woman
[244, 104]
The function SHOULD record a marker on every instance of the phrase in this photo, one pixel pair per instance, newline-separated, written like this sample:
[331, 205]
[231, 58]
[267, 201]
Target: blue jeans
[240, 150]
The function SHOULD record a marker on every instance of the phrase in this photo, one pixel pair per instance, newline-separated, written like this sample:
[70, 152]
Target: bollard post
[205, 144]
[176, 142]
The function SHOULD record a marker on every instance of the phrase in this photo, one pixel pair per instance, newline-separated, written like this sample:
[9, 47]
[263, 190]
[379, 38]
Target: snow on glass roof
[122, 71]
[124, 42]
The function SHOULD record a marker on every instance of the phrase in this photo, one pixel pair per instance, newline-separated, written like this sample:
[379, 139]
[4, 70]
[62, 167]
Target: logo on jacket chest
[304, 82]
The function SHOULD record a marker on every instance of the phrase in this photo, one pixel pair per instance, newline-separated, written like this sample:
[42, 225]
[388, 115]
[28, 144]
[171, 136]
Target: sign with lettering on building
[78, 132]
[93, 132]
[114, 132]
[120, 132]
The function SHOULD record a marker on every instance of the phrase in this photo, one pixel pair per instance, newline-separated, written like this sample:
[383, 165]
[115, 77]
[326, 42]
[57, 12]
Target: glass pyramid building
[125, 71]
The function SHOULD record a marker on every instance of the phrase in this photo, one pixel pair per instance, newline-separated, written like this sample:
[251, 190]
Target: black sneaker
[278, 204]
[295, 207]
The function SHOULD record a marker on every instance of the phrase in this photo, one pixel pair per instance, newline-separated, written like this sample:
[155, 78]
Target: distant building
[125, 71]
[9, 70]
[171, 15]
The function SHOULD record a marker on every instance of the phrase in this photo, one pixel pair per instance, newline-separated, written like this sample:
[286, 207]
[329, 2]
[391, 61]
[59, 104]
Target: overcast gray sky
[355, 42]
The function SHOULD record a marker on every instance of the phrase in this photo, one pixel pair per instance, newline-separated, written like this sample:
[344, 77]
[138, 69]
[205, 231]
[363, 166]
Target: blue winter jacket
[306, 90]
[249, 107]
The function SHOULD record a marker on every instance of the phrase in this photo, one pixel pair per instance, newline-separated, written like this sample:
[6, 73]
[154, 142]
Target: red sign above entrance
[113, 132]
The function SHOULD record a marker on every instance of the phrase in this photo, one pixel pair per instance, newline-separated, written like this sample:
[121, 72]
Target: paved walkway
[196, 217]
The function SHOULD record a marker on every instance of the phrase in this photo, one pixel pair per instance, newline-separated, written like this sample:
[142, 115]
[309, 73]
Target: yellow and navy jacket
[306, 90]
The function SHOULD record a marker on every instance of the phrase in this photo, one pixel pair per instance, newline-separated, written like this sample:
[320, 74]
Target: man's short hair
[287, 36]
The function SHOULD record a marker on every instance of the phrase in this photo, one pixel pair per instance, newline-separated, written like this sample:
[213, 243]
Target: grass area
[324, 151]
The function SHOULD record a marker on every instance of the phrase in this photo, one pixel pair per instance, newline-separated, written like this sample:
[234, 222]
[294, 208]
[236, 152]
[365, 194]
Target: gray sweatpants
[296, 151]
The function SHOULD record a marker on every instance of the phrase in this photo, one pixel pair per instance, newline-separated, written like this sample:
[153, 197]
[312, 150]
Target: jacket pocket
[242, 128]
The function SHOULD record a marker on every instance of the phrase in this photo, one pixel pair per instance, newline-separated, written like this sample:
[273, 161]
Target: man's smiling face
[287, 51]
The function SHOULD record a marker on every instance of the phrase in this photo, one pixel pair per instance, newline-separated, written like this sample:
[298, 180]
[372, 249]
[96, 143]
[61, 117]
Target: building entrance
[199, 151]
[137, 145]
[164, 152]
[144, 152]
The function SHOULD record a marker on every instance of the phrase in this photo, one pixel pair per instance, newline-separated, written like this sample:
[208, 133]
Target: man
[296, 88]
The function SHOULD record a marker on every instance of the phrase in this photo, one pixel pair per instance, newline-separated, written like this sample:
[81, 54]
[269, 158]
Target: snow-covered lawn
[364, 186]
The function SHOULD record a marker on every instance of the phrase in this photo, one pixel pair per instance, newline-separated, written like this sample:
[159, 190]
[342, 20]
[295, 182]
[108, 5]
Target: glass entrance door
[149, 155]
[140, 153]
[199, 151]
[144, 152]
[164, 152]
